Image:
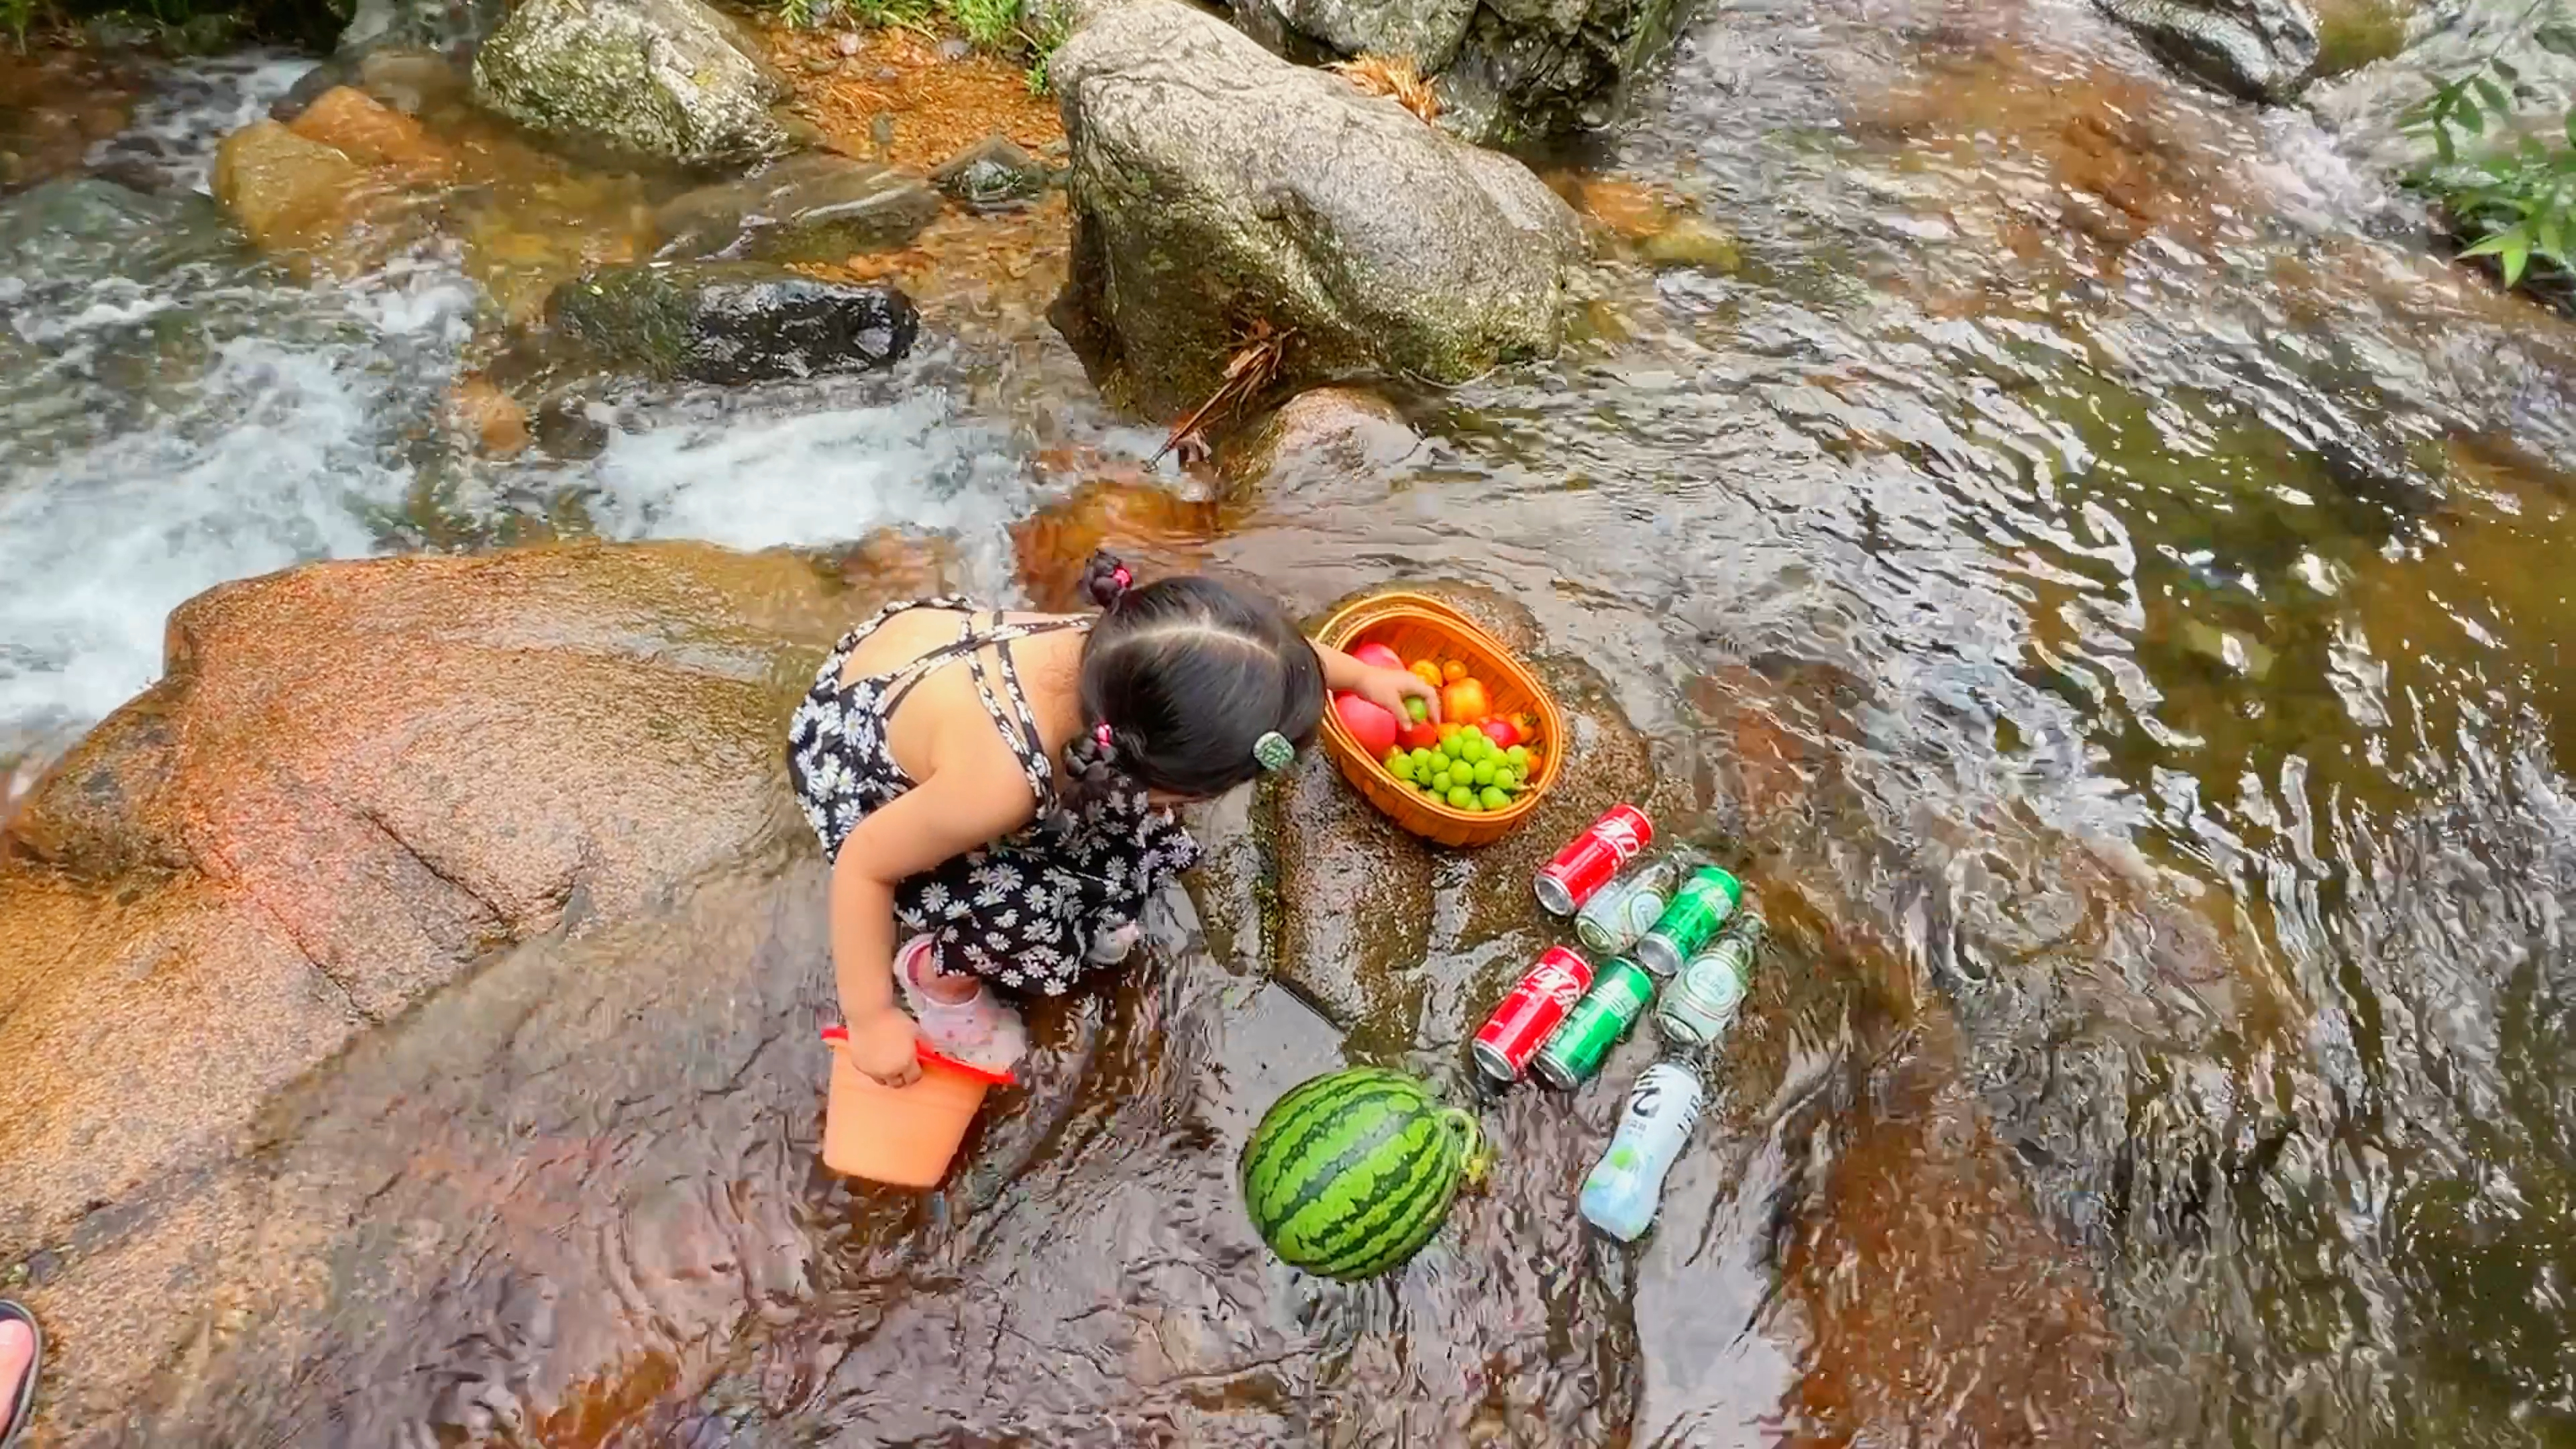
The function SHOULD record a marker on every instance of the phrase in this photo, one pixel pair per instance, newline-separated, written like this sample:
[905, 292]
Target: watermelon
[1352, 1172]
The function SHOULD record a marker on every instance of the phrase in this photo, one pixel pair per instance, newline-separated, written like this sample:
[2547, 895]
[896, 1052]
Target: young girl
[994, 789]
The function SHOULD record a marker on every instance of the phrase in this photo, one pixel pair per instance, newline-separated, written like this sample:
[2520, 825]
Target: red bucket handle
[931, 1055]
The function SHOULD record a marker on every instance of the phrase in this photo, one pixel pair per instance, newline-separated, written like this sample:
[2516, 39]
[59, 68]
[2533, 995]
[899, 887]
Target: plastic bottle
[1627, 1185]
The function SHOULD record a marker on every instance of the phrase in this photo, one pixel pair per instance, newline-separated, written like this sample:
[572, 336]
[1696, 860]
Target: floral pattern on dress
[1025, 911]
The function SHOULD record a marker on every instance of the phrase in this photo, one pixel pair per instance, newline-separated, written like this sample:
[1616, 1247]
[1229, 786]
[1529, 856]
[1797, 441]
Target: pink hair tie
[1100, 732]
[1123, 577]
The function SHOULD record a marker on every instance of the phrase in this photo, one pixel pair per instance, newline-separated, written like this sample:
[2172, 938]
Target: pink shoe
[980, 1031]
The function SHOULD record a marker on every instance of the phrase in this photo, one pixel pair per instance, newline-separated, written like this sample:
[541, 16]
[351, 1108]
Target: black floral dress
[1029, 911]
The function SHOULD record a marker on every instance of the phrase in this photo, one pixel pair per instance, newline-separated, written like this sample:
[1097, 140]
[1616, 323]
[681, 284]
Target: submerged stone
[816, 208]
[731, 323]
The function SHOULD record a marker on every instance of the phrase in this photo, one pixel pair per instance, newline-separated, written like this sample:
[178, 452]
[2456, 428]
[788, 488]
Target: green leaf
[2557, 39]
[2470, 120]
[2494, 242]
[2499, 104]
[2551, 239]
[2442, 144]
[2515, 259]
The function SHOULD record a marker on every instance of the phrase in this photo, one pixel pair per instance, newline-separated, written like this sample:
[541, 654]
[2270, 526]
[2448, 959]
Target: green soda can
[1619, 995]
[1701, 906]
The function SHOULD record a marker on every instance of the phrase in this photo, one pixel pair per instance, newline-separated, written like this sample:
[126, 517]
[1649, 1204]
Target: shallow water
[2097, 571]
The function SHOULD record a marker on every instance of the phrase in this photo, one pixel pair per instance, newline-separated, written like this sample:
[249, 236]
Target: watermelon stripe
[1262, 1159]
[1265, 1156]
[1333, 1148]
[1404, 1162]
[1317, 1159]
[1399, 1224]
[1302, 1157]
[1345, 1182]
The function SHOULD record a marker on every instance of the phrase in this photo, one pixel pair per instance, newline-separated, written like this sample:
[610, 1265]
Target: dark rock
[564, 429]
[806, 208]
[1505, 72]
[994, 174]
[731, 323]
[447, 26]
[2263, 50]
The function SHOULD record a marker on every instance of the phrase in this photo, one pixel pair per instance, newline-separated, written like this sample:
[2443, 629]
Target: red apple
[1424, 736]
[1377, 656]
[1373, 727]
[1502, 732]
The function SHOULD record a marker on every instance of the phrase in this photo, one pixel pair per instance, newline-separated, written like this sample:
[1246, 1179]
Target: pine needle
[1249, 373]
[1393, 77]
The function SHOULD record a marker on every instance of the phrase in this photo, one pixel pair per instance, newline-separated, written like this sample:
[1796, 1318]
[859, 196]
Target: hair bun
[1107, 580]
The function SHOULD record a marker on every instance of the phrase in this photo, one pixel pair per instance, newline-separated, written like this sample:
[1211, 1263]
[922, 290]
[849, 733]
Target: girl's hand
[882, 1044]
[1388, 689]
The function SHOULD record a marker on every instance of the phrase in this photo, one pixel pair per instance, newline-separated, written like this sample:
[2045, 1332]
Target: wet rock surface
[810, 208]
[1215, 184]
[1504, 72]
[994, 174]
[663, 80]
[731, 323]
[2263, 50]
[312, 825]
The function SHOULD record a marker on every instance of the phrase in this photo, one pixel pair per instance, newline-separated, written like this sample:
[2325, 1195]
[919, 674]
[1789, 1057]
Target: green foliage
[2516, 202]
[15, 17]
[988, 23]
[1046, 25]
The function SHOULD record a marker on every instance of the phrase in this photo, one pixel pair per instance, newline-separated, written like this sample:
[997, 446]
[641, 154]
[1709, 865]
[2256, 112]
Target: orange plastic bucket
[903, 1136]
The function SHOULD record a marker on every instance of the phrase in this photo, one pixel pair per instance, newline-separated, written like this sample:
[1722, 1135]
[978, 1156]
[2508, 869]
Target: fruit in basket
[1461, 798]
[1502, 731]
[1373, 727]
[1496, 798]
[1377, 656]
[1427, 672]
[1464, 701]
[1451, 671]
[1422, 736]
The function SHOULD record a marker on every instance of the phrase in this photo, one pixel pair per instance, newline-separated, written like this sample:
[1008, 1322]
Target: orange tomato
[1426, 671]
[1452, 672]
[1464, 703]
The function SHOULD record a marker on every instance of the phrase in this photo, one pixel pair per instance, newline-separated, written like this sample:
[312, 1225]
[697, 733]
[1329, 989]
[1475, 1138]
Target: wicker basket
[1419, 627]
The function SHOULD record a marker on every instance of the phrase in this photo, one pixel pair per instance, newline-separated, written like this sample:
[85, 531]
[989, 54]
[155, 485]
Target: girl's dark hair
[1186, 674]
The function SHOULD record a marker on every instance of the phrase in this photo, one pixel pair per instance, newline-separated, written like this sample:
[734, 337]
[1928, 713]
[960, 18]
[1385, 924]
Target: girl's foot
[1111, 946]
[960, 1017]
[20, 1347]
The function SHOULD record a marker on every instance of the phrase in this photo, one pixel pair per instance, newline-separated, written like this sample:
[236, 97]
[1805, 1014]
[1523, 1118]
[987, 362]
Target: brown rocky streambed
[2058, 528]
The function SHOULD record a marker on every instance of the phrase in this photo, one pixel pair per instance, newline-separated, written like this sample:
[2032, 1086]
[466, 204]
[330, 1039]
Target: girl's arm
[960, 805]
[1388, 689]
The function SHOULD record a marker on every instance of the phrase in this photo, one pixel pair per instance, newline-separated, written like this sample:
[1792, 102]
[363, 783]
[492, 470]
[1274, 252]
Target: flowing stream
[2107, 570]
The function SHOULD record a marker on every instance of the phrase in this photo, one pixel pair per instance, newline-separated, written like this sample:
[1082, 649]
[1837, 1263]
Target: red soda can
[1522, 1024]
[1589, 861]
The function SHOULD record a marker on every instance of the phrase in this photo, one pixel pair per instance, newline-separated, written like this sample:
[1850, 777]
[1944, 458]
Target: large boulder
[1216, 186]
[731, 323]
[354, 782]
[666, 80]
[1505, 71]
